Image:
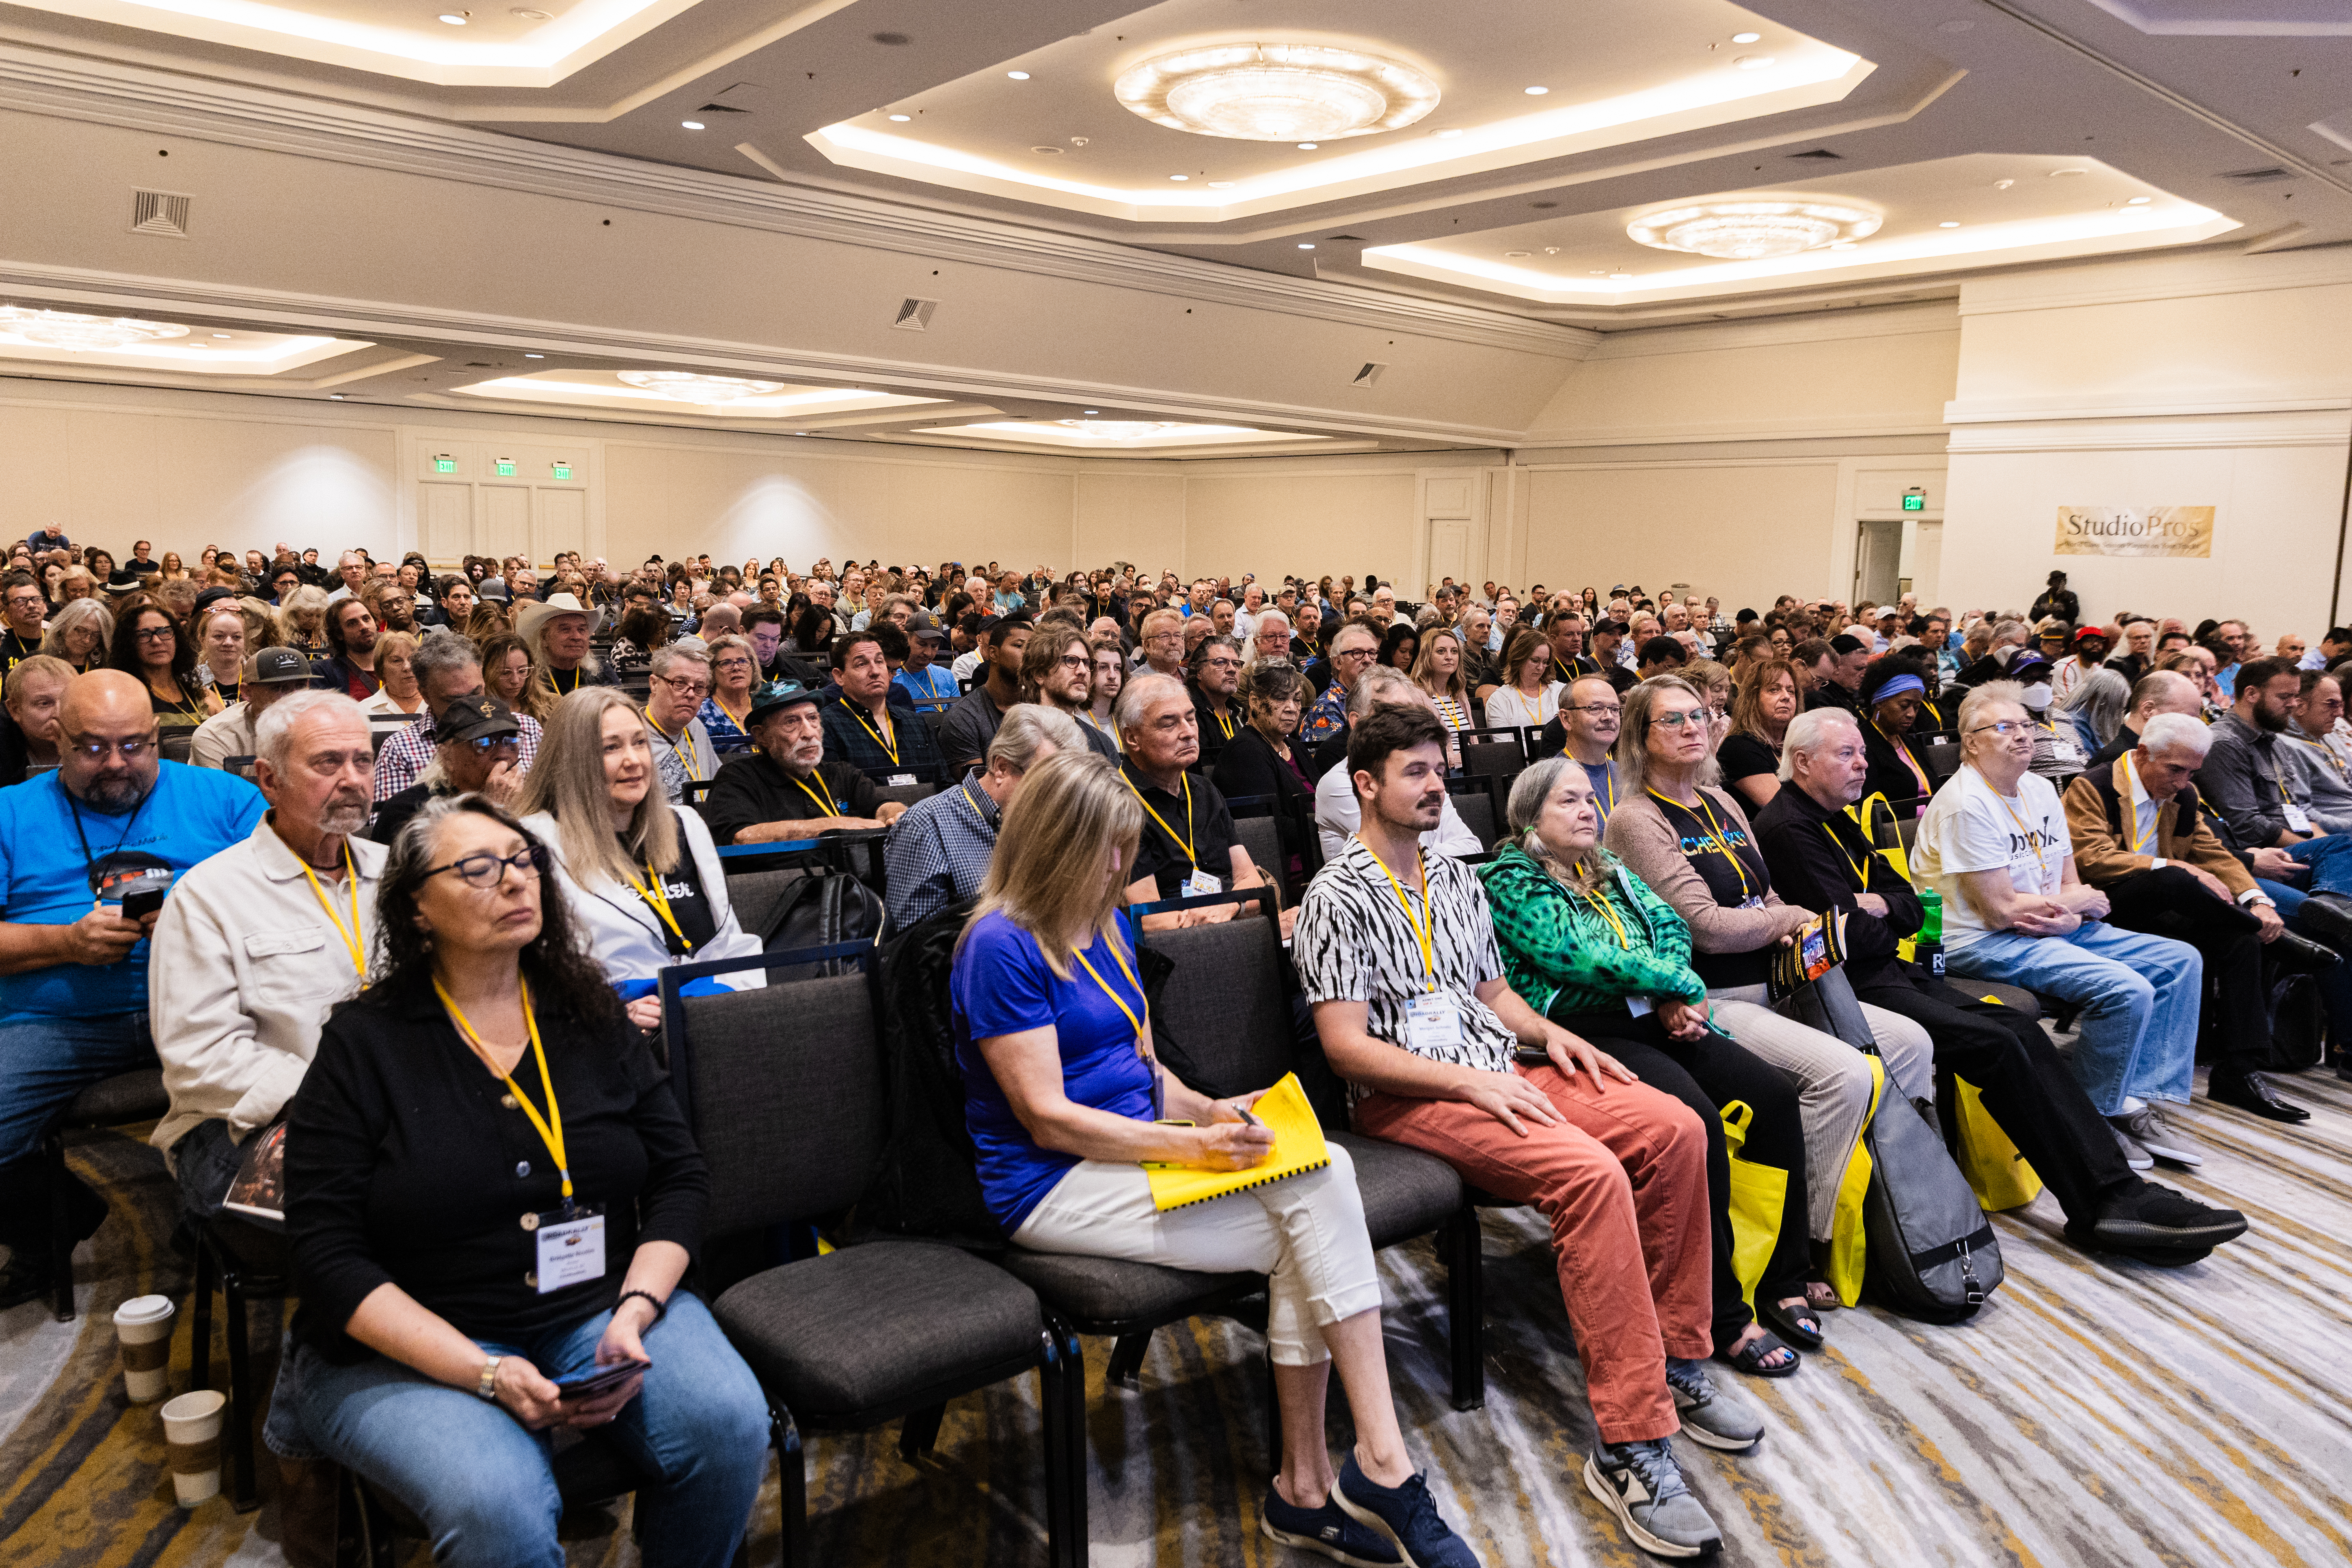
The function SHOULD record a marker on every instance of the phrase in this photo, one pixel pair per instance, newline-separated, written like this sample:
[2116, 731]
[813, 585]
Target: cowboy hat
[535, 612]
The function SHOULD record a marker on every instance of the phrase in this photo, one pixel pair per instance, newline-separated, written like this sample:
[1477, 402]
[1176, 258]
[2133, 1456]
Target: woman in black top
[1262, 758]
[150, 644]
[1760, 710]
[490, 1190]
[1400, 648]
[1891, 692]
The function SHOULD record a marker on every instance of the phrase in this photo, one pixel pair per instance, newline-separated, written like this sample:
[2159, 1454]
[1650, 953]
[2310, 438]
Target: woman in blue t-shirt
[1065, 1100]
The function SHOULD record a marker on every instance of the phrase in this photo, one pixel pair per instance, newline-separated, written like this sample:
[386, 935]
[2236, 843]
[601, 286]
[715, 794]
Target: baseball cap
[476, 718]
[277, 666]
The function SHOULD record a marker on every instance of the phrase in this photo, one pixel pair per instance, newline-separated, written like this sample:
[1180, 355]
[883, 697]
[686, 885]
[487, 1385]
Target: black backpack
[2298, 1022]
[820, 909]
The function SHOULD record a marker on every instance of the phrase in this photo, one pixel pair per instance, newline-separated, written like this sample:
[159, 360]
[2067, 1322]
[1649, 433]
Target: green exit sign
[1914, 500]
[506, 468]
[561, 470]
[444, 464]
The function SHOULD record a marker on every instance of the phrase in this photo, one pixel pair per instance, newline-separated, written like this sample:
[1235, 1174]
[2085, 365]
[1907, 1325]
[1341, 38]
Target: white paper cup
[144, 1327]
[192, 1433]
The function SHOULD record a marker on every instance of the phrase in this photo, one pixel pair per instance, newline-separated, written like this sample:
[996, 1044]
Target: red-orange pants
[1623, 1181]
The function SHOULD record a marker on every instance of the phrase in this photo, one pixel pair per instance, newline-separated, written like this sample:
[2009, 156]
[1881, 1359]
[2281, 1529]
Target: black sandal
[1749, 1357]
[1795, 1324]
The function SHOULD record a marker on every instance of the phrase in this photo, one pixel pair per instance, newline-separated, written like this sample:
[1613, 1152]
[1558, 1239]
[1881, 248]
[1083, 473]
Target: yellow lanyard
[1102, 729]
[685, 754]
[1187, 840]
[1715, 835]
[658, 900]
[1224, 724]
[2333, 760]
[739, 720]
[885, 737]
[2131, 776]
[1598, 902]
[1861, 876]
[824, 800]
[1609, 777]
[1422, 932]
[553, 675]
[550, 1126]
[1114, 996]
[973, 803]
[352, 940]
[2022, 832]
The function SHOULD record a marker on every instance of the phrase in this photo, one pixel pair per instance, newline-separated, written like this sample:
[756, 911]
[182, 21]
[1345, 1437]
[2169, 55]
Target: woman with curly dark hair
[489, 1073]
[150, 644]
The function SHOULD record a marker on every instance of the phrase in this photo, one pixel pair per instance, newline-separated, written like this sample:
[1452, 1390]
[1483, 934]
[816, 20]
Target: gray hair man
[678, 680]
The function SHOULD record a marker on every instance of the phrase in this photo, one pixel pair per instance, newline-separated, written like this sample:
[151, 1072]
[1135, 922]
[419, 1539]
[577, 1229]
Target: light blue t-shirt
[58, 857]
[936, 680]
[1003, 986]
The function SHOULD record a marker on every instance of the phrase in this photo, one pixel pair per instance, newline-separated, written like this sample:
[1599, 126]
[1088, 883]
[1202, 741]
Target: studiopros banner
[2174, 532]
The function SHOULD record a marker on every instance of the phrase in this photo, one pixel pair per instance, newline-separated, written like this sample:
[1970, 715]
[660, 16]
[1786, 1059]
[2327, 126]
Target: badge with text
[1201, 882]
[2297, 819]
[1432, 1022]
[570, 1247]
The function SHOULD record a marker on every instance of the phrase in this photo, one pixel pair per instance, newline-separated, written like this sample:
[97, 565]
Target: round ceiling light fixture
[685, 386]
[1277, 92]
[67, 330]
[1754, 229]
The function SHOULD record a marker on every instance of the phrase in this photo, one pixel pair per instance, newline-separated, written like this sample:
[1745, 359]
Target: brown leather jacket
[2098, 818]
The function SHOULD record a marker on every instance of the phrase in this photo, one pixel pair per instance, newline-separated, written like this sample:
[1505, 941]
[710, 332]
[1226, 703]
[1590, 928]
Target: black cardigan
[1248, 768]
[402, 1167]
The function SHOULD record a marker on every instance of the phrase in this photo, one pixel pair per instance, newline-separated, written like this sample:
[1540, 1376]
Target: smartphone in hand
[603, 1380]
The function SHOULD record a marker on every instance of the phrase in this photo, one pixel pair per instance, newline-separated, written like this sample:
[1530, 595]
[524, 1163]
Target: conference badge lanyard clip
[886, 737]
[1432, 1023]
[569, 1241]
[2297, 819]
[1200, 882]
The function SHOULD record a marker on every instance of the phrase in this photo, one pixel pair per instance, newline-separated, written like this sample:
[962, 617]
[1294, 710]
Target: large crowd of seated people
[396, 857]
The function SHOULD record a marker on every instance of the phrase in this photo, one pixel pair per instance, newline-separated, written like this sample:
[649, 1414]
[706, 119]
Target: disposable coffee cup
[192, 1433]
[144, 1327]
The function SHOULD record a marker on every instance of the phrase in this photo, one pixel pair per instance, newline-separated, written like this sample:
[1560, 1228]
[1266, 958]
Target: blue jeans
[44, 1063]
[2139, 997]
[481, 1482]
[2329, 856]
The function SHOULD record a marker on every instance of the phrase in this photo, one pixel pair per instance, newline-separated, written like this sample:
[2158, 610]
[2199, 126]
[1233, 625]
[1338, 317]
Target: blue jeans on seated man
[44, 1063]
[480, 1482]
[2139, 997]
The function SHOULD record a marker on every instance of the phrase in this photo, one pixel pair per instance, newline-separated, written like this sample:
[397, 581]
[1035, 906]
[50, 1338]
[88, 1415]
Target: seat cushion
[126, 1097]
[1406, 1193]
[1113, 1291]
[868, 1327]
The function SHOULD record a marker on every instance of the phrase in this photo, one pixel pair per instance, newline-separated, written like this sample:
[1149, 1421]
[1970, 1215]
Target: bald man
[114, 826]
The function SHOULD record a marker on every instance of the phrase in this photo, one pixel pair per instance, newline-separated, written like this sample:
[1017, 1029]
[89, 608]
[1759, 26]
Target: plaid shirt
[937, 852]
[1560, 952]
[406, 755]
[1327, 718]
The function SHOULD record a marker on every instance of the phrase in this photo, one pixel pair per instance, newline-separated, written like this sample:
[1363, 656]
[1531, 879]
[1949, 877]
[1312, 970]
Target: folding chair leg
[1127, 1354]
[1465, 1307]
[791, 1489]
[61, 1242]
[1054, 1410]
[919, 1432]
[200, 1320]
[238, 1323]
[1074, 1470]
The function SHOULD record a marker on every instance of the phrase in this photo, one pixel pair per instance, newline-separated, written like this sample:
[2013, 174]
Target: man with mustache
[114, 821]
[258, 944]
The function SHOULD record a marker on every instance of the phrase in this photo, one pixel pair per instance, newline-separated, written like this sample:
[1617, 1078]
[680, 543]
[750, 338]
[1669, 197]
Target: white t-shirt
[1970, 826]
[1338, 814]
[1508, 707]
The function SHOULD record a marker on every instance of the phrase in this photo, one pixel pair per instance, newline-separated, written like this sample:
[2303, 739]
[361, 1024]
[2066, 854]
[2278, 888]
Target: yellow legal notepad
[1297, 1147]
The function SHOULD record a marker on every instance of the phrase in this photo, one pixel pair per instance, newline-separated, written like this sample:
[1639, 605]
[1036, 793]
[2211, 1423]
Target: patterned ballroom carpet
[2096, 1412]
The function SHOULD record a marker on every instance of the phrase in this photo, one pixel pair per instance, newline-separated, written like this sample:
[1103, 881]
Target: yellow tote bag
[1996, 1170]
[1875, 817]
[1759, 1194]
[1845, 1228]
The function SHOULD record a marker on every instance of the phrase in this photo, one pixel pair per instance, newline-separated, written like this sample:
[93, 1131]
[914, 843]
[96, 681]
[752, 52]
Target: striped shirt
[406, 755]
[1355, 942]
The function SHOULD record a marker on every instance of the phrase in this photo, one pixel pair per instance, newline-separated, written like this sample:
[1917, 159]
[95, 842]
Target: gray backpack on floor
[1929, 1250]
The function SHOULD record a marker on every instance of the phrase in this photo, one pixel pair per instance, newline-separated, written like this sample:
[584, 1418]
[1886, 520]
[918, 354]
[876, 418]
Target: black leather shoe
[2251, 1092]
[2329, 917]
[2301, 955]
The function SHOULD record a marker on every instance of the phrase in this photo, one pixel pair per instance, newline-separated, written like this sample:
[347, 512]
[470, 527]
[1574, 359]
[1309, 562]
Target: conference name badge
[1201, 882]
[898, 779]
[1432, 1023]
[570, 1247]
[2297, 819]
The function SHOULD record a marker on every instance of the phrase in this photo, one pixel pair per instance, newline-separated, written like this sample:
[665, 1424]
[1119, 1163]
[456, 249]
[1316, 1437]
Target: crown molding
[40, 82]
[1930, 317]
[2314, 428]
[2186, 403]
[1830, 425]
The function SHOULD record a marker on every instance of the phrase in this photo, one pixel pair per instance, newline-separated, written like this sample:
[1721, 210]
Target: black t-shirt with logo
[689, 905]
[1720, 851]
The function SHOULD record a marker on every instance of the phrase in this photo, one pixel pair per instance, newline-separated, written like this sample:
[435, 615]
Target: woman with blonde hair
[727, 713]
[174, 571]
[1438, 671]
[302, 620]
[641, 876]
[80, 633]
[395, 653]
[220, 648]
[489, 620]
[507, 670]
[1064, 1099]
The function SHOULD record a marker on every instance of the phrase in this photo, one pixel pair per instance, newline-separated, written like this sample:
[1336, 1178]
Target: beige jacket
[243, 969]
[228, 733]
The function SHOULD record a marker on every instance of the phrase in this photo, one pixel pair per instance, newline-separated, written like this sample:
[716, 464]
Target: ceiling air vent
[915, 315]
[1817, 155]
[2259, 176]
[1368, 374]
[160, 212]
[715, 107]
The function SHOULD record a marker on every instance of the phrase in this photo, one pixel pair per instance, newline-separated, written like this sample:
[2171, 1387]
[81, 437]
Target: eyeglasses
[2004, 728]
[154, 633]
[686, 687]
[1221, 663]
[1678, 720]
[1338, 654]
[732, 664]
[483, 869]
[1072, 661]
[1596, 708]
[98, 750]
[1165, 637]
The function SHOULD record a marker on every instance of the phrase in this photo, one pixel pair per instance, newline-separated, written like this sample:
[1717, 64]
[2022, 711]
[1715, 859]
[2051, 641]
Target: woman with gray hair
[1589, 946]
[938, 853]
[1689, 839]
[2095, 708]
[80, 633]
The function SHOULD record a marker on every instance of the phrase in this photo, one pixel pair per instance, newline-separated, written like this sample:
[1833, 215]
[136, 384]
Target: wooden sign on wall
[2142, 532]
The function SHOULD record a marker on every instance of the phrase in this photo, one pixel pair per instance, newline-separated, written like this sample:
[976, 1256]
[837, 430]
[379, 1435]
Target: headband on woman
[1901, 685]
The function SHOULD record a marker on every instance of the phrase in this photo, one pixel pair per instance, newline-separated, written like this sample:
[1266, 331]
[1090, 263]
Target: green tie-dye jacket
[1561, 955]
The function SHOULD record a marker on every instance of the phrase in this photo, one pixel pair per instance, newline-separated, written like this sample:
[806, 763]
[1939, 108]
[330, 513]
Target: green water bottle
[1927, 947]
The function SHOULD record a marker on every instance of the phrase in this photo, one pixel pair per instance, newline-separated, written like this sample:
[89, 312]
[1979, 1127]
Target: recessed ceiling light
[691, 124]
[1049, 151]
[902, 118]
[1753, 62]
[2062, 173]
[1448, 135]
[1180, 177]
[1948, 223]
[1094, 411]
[534, 356]
[334, 397]
[1516, 254]
[1745, 37]
[220, 334]
[2139, 201]
[1309, 146]
[455, 18]
[1538, 91]
[1305, 247]
[1018, 75]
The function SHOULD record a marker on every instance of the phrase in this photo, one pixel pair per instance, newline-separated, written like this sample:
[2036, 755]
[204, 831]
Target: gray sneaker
[1644, 1487]
[1708, 1416]
[2147, 1130]
[2137, 1158]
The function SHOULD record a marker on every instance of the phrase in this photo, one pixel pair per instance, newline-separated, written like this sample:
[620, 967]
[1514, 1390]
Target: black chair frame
[53, 1155]
[240, 1283]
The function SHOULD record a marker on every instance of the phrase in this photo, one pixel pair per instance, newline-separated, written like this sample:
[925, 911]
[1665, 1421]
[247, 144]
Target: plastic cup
[144, 1327]
[192, 1433]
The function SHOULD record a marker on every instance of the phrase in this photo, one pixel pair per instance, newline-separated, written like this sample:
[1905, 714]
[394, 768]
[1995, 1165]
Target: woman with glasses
[81, 633]
[1688, 838]
[489, 1073]
[152, 646]
[1526, 698]
[507, 671]
[640, 875]
[726, 713]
